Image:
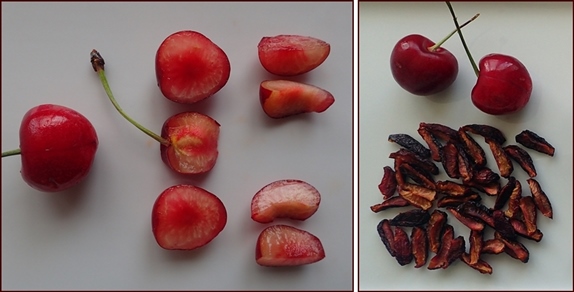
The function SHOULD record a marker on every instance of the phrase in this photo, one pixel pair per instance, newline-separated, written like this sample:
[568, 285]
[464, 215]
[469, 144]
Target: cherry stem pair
[98, 65]
[437, 45]
[458, 27]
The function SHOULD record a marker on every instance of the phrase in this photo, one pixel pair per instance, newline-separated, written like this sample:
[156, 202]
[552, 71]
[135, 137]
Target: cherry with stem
[188, 141]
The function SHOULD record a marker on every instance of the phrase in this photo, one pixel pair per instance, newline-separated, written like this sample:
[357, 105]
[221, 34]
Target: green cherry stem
[437, 45]
[11, 152]
[476, 71]
[98, 65]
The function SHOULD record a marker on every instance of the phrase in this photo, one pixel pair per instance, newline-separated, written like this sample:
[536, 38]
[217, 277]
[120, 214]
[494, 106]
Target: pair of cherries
[422, 67]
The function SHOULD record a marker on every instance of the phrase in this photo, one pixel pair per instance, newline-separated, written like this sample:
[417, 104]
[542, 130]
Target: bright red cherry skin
[58, 146]
[421, 71]
[504, 85]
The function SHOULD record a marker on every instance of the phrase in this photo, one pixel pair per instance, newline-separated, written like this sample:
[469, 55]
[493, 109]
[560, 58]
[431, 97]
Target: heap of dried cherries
[411, 182]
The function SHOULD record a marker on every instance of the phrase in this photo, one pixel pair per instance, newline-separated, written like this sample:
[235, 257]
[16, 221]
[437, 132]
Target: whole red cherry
[57, 147]
[421, 69]
[503, 86]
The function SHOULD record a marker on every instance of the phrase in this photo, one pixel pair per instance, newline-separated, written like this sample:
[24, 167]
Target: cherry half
[422, 67]
[57, 147]
[503, 86]
[188, 141]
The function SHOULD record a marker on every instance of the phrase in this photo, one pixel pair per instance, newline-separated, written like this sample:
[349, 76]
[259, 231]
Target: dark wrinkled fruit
[442, 132]
[455, 201]
[416, 195]
[472, 148]
[449, 160]
[418, 175]
[481, 266]
[450, 250]
[467, 221]
[520, 229]
[502, 225]
[393, 202]
[410, 144]
[415, 217]
[486, 131]
[435, 228]
[513, 210]
[387, 235]
[522, 158]
[475, 249]
[388, 185]
[419, 244]
[514, 248]
[493, 246]
[452, 188]
[531, 140]
[411, 158]
[504, 194]
[433, 144]
[528, 208]
[403, 247]
[502, 160]
[540, 198]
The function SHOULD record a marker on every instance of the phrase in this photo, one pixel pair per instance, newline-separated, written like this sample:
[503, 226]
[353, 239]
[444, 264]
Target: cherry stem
[11, 152]
[476, 71]
[437, 45]
[98, 65]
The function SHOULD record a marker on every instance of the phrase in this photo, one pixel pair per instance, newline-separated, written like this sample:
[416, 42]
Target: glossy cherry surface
[57, 146]
[419, 70]
[504, 85]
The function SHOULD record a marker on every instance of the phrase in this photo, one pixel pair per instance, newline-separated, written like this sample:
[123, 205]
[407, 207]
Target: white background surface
[538, 34]
[98, 235]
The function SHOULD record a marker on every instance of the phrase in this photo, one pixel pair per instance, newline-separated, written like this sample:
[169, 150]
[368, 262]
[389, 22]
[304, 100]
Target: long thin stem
[98, 65]
[476, 71]
[437, 45]
[11, 152]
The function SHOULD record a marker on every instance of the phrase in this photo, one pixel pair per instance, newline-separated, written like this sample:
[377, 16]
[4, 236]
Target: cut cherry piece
[289, 198]
[290, 55]
[190, 67]
[283, 245]
[57, 147]
[186, 217]
[283, 98]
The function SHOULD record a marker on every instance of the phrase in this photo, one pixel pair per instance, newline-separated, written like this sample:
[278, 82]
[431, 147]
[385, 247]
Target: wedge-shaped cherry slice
[283, 98]
[283, 245]
[190, 67]
[186, 217]
[289, 55]
[294, 199]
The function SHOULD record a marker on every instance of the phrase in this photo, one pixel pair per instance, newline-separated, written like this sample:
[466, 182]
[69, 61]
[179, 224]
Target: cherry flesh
[419, 70]
[503, 86]
[57, 147]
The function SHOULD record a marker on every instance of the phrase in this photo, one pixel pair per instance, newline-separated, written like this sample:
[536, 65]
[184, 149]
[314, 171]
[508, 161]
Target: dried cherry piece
[454, 201]
[528, 208]
[467, 221]
[502, 225]
[477, 211]
[522, 158]
[472, 148]
[417, 196]
[504, 194]
[435, 228]
[410, 144]
[393, 202]
[403, 247]
[419, 244]
[531, 140]
[465, 167]
[450, 250]
[520, 229]
[486, 131]
[388, 185]
[514, 248]
[452, 188]
[485, 176]
[440, 131]
[414, 217]
[449, 160]
[491, 189]
[387, 235]
[502, 160]
[513, 210]
[403, 155]
[418, 175]
[493, 246]
[431, 141]
[475, 249]
[481, 266]
[540, 198]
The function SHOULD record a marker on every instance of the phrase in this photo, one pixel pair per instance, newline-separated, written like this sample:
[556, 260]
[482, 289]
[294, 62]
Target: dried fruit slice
[403, 247]
[288, 198]
[502, 160]
[486, 131]
[410, 144]
[528, 208]
[186, 217]
[522, 158]
[531, 140]
[540, 198]
[388, 184]
[283, 245]
[472, 148]
[414, 217]
[393, 202]
[387, 235]
[435, 228]
[481, 266]
[505, 193]
[290, 55]
[419, 244]
[493, 246]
